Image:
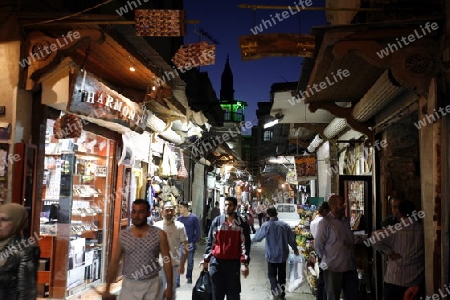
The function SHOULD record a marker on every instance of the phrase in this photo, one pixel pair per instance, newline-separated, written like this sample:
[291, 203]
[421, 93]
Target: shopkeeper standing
[334, 245]
[324, 209]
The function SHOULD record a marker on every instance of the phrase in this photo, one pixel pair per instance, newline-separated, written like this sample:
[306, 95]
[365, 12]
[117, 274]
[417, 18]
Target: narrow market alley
[256, 285]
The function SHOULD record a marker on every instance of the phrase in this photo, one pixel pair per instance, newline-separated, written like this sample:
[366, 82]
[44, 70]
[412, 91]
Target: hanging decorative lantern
[195, 55]
[67, 126]
[159, 22]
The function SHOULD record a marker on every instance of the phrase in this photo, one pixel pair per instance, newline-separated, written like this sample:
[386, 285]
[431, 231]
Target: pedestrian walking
[192, 225]
[250, 215]
[176, 236]
[260, 211]
[227, 252]
[279, 237]
[334, 246]
[207, 214]
[215, 211]
[140, 246]
[19, 255]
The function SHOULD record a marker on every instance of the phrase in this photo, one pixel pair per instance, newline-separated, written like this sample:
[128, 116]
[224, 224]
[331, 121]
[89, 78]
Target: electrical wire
[70, 16]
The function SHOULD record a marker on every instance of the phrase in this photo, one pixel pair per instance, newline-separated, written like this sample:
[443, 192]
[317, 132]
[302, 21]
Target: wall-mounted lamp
[271, 123]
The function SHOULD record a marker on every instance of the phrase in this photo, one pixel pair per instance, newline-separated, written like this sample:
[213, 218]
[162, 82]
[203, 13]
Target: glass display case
[357, 193]
[76, 199]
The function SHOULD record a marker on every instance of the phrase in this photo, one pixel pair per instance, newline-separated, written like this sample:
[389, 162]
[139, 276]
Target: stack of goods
[305, 241]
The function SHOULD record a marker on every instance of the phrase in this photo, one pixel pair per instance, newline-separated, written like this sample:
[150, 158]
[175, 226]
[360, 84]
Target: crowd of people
[159, 249]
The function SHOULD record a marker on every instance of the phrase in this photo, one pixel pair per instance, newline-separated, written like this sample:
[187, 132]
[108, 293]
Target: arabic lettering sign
[276, 44]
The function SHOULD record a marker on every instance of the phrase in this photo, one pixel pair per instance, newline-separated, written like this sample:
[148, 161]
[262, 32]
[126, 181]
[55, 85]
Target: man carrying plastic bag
[279, 237]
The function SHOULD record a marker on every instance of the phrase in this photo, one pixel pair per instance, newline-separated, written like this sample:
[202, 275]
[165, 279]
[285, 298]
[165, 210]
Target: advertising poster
[306, 165]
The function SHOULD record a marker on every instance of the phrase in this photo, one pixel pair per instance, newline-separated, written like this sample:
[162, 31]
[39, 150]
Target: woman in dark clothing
[19, 256]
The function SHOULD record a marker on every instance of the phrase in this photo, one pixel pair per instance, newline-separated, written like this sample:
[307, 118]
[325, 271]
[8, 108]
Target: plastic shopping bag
[202, 289]
[296, 272]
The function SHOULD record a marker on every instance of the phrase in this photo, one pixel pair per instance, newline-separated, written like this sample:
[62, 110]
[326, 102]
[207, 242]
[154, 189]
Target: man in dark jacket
[215, 211]
[227, 252]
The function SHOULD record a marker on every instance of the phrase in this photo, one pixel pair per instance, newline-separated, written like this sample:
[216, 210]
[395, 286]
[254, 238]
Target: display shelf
[77, 177]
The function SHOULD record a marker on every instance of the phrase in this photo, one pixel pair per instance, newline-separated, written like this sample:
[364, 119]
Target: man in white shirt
[324, 209]
[334, 245]
[176, 235]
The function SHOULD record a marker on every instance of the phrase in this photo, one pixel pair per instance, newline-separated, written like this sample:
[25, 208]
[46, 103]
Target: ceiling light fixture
[132, 68]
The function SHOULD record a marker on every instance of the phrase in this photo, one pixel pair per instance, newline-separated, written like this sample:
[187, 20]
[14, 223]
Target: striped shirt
[140, 254]
[408, 241]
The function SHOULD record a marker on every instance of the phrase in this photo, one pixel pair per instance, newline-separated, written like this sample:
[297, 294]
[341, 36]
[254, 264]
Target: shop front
[90, 177]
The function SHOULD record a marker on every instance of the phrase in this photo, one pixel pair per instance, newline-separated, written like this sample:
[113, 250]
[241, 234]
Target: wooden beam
[91, 22]
[315, 8]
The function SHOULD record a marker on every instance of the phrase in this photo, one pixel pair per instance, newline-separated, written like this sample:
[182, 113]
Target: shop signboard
[306, 165]
[159, 22]
[276, 44]
[195, 55]
[90, 97]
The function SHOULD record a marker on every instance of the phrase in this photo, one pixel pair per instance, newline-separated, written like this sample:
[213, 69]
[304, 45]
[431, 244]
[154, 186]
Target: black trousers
[277, 278]
[225, 278]
[260, 218]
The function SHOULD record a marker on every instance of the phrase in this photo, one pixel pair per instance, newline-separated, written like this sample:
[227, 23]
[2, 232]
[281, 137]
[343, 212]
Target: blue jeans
[190, 261]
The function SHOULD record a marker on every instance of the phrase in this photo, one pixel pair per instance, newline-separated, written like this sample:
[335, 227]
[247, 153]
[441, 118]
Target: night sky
[225, 22]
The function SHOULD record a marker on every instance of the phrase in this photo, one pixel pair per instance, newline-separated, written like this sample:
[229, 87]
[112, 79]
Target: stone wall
[400, 162]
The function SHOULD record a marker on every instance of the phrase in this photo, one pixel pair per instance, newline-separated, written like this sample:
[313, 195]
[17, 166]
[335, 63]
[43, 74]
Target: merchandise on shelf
[305, 241]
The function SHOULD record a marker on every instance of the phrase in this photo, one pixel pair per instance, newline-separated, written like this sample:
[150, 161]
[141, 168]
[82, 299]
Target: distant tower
[234, 110]
[226, 83]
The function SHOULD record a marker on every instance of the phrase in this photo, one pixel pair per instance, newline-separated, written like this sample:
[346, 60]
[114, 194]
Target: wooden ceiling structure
[356, 49]
[102, 50]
